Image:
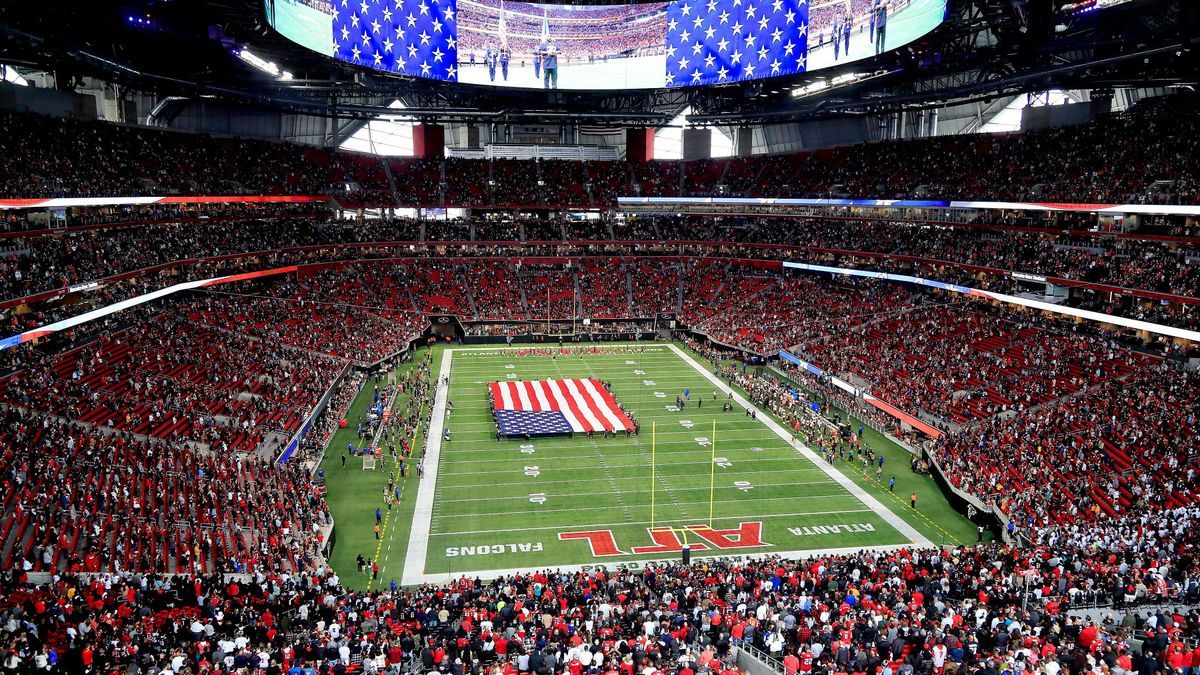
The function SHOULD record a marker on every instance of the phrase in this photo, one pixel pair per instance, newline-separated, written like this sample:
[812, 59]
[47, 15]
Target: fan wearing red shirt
[791, 664]
[806, 661]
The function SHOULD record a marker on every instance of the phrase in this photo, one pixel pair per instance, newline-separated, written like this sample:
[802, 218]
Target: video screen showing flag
[556, 407]
[718, 42]
[522, 44]
[409, 37]
[681, 43]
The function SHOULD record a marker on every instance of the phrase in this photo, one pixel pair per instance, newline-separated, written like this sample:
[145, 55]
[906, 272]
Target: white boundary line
[853, 488]
[418, 536]
[610, 564]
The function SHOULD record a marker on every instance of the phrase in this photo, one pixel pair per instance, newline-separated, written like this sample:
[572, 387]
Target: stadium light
[810, 88]
[268, 67]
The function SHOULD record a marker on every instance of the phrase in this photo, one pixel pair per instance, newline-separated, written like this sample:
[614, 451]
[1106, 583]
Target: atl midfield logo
[668, 540]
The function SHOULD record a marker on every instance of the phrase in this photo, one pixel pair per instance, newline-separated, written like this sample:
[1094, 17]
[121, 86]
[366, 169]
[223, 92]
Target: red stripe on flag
[549, 394]
[534, 404]
[613, 405]
[597, 412]
[574, 406]
[512, 389]
[497, 399]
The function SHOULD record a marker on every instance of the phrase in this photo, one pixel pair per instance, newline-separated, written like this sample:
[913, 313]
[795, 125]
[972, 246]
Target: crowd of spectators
[91, 498]
[156, 252]
[976, 611]
[1157, 144]
[1112, 467]
[961, 365]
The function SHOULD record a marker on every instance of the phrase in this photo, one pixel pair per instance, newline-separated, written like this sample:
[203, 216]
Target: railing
[577, 153]
[755, 661]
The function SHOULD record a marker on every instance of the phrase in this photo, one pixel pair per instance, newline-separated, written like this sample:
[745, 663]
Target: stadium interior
[830, 337]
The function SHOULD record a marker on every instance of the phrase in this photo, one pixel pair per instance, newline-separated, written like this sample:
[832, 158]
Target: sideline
[418, 536]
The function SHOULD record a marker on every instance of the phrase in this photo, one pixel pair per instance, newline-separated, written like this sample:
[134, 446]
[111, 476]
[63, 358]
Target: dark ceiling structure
[986, 48]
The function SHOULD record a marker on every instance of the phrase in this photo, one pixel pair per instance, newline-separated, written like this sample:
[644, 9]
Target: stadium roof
[987, 48]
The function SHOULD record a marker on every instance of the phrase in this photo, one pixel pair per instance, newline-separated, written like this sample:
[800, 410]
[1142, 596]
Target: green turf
[483, 517]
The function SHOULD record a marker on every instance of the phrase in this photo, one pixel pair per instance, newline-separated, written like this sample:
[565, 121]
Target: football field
[721, 482]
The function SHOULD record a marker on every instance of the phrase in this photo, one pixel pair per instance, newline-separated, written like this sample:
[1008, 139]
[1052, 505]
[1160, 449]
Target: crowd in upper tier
[1145, 155]
[158, 244]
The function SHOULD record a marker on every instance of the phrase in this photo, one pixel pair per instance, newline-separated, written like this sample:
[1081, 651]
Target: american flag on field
[556, 407]
[715, 41]
[413, 37]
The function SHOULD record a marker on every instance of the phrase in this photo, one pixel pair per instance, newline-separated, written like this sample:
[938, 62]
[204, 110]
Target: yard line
[693, 521]
[853, 488]
[679, 504]
[491, 483]
[542, 454]
[632, 466]
[634, 492]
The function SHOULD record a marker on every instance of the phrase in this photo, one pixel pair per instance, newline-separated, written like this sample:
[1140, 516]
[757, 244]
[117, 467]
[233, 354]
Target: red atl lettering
[666, 540]
[747, 535]
[601, 541]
